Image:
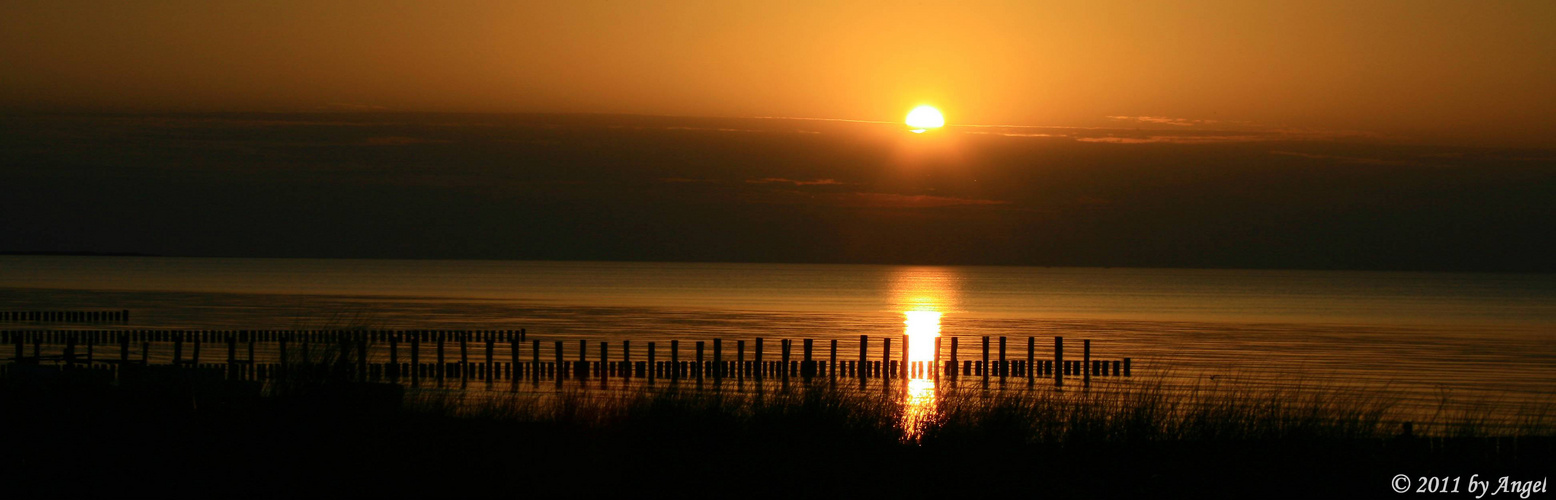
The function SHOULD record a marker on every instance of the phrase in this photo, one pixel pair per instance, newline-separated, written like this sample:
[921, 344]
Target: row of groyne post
[119, 316]
[416, 356]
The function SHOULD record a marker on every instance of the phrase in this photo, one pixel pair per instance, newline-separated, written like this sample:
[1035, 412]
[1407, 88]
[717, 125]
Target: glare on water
[924, 294]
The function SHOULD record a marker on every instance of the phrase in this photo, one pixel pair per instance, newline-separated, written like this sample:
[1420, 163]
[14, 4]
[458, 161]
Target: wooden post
[864, 355]
[651, 365]
[1031, 355]
[394, 355]
[194, 354]
[178, 350]
[491, 341]
[626, 358]
[441, 337]
[582, 369]
[560, 364]
[1059, 361]
[1086, 362]
[534, 356]
[934, 369]
[740, 359]
[464, 354]
[784, 369]
[1126, 367]
[604, 357]
[832, 361]
[280, 347]
[985, 358]
[361, 356]
[232, 356]
[886, 358]
[698, 369]
[758, 358]
[807, 365]
[675, 359]
[955, 365]
[1004, 367]
[415, 358]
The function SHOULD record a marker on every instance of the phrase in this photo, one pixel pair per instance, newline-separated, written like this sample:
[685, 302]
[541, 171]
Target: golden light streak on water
[925, 295]
[922, 327]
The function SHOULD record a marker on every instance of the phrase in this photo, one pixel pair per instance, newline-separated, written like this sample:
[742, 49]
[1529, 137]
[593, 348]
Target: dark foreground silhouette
[169, 435]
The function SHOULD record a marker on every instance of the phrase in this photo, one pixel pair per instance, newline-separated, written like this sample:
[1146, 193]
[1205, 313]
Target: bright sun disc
[924, 118]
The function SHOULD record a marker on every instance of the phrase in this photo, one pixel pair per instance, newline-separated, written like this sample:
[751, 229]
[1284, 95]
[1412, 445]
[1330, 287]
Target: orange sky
[1454, 72]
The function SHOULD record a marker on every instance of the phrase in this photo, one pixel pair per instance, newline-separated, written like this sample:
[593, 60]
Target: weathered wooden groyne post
[626, 360]
[581, 368]
[652, 365]
[232, 356]
[604, 367]
[983, 369]
[758, 361]
[1004, 366]
[535, 368]
[807, 363]
[394, 357]
[675, 360]
[862, 370]
[697, 367]
[954, 368]
[740, 362]
[1059, 367]
[560, 363]
[442, 366]
[517, 369]
[1031, 359]
[886, 374]
[832, 362]
[488, 373]
[783, 367]
[415, 358]
[1086, 367]
[718, 359]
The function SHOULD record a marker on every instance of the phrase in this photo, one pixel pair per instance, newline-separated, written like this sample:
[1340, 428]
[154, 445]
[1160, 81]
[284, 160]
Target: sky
[1422, 71]
[1384, 135]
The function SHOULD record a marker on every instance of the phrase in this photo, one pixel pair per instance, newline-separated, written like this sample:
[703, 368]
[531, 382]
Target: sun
[924, 118]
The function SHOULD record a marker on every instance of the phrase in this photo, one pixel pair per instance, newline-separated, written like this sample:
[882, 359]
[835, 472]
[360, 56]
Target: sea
[1448, 345]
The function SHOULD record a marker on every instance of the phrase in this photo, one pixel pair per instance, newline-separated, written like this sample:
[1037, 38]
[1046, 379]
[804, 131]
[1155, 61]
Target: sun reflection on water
[924, 295]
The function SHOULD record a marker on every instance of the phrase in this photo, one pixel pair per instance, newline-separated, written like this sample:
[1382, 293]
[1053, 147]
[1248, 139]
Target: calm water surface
[1475, 339]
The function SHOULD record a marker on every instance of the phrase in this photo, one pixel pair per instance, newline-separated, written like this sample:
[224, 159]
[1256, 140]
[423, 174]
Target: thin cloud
[892, 200]
[1177, 139]
[1164, 120]
[780, 180]
[402, 141]
[1350, 159]
[351, 106]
